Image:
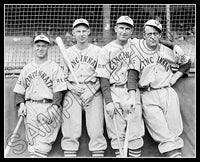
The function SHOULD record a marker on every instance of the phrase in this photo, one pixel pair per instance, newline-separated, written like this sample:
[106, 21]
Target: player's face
[81, 33]
[123, 32]
[41, 49]
[152, 36]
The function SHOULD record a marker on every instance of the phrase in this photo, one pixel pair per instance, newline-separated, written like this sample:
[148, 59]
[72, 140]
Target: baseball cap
[154, 23]
[80, 21]
[41, 38]
[125, 19]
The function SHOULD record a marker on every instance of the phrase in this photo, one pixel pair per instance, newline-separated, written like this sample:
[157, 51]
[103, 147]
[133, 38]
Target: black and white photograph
[100, 80]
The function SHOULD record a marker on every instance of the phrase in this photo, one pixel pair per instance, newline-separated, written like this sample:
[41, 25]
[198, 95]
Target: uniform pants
[72, 122]
[41, 136]
[161, 111]
[136, 131]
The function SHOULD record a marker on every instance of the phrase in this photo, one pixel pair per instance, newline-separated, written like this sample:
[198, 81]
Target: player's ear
[144, 35]
[88, 31]
[115, 28]
[160, 35]
[73, 32]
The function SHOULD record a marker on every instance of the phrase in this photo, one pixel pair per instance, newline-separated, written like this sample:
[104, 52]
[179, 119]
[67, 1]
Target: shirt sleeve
[134, 62]
[167, 44]
[20, 86]
[59, 83]
[103, 67]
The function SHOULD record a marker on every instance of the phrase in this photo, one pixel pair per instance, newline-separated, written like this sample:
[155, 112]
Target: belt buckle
[43, 101]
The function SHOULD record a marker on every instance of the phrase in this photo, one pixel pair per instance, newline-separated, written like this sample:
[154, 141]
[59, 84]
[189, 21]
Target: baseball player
[86, 96]
[119, 89]
[161, 108]
[39, 91]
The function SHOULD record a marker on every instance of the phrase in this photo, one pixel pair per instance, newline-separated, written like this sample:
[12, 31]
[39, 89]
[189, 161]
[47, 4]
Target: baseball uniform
[161, 108]
[84, 63]
[38, 83]
[113, 63]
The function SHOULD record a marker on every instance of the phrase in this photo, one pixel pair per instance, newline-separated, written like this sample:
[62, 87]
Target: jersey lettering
[40, 74]
[164, 62]
[86, 59]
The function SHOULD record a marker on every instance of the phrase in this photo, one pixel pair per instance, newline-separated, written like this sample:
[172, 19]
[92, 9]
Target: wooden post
[106, 24]
[168, 30]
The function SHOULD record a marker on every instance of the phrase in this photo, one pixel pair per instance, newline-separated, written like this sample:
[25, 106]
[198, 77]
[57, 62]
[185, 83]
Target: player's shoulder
[94, 47]
[134, 40]
[53, 63]
[27, 66]
[110, 45]
[71, 48]
[165, 48]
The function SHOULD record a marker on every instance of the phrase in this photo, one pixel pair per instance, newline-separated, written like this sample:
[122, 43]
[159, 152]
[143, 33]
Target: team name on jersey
[86, 59]
[41, 74]
[123, 55]
[160, 60]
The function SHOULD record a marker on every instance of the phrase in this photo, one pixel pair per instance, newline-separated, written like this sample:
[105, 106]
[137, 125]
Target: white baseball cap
[80, 21]
[154, 23]
[41, 38]
[125, 19]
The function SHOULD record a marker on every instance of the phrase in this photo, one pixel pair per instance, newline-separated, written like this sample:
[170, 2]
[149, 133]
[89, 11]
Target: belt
[150, 88]
[45, 100]
[119, 86]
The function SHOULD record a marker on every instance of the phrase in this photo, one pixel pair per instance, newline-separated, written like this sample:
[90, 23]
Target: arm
[57, 99]
[182, 71]
[20, 102]
[105, 88]
[168, 44]
[19, 98]
[133, 78]
[110, 106]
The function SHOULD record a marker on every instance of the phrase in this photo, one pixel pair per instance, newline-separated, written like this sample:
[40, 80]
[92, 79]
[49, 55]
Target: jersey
[115, 61]
[83, 62]
[155, 65]
[39, 82]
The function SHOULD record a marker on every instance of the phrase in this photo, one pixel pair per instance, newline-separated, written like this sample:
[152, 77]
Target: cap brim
[41, 41]
[154, 27]
[125, 24]
[81, 24]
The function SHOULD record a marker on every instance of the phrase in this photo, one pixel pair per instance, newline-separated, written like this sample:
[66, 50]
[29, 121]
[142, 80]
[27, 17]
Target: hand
[77, 89]
[177, 50]
[87, 96]
[110, 109]
[130, 103]
[175, 77]
[22, 110]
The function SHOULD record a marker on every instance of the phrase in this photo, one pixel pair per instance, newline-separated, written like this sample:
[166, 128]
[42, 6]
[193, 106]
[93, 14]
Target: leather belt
[119, 86]
[150, 88]
[40, 101]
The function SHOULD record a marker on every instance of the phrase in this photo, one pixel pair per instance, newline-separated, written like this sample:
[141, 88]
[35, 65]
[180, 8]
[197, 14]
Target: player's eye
[150, 34]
